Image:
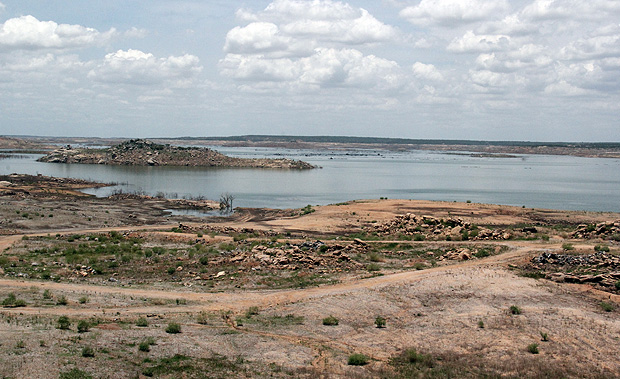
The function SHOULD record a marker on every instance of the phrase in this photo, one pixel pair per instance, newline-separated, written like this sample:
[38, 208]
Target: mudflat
[120, 288]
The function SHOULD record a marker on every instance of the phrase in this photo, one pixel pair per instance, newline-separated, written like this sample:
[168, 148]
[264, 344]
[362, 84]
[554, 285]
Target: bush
[413, 357]
[202, 318]
[533, 348]
[142, 322]
[544, 337]
[173, 328]
[252, 311]
[602, 248]
[75, 374]
[481, 324]
[144, 346]
[204, 260]
[62, 301]
[88, 352]
[171, 270]
[47, 294]
[568, 246]
[357, 360]
[330, 321]
[515, 310]
[63, 323]
[83, 300]
[617, 285]
[12, 302]
[380, 322]
[83, 326]
[607, 307]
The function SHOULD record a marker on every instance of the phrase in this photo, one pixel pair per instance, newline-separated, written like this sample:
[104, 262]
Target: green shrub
[173, 328]
[357, 360]
[202, 318]
[88, 352]
[47, 294]
[380, 322]
[330, 321]
[62, 301]
[75, 374]
[533, 348]
[142, 322]
[617, 285]
[171, 270]
[607, 307]
[13, 302]
[544, 336]
[568, 246]
[413, 357]
[83, 300]
[515, 310]
[252, 311]
[144, 346]
[602, 248]
[204, 260]
[481, 324]
[63, 323]
[83, 326]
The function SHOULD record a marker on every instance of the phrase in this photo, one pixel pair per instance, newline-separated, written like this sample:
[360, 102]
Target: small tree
[226, 202]
[63, 323]
[380, 322]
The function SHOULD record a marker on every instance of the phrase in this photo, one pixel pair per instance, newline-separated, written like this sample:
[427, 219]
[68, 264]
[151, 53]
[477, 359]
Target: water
[555, 182]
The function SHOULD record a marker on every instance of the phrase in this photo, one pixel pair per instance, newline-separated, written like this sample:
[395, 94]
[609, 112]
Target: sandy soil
[457, 312]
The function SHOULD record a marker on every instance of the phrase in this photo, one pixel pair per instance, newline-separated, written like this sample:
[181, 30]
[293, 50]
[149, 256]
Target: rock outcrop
[140, 152]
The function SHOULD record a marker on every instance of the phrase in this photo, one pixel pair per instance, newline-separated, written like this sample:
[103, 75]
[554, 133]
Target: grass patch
[357, 360]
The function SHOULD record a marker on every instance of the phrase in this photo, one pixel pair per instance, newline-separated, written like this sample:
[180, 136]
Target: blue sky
[539, 70]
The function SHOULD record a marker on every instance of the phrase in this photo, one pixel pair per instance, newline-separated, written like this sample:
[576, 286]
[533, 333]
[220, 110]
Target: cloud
[139, 68]
[326, 67]
[453, 12]
[302, 45]
[28, 33]
[472, 43]
[2, 7]
[426, 71]
[571, 9]
[318, 20]
[604, 43]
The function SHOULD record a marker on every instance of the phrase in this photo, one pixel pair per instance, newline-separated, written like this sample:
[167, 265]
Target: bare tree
[226, 202]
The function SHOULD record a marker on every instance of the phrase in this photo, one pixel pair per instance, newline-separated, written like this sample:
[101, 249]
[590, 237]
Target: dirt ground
[474, 316]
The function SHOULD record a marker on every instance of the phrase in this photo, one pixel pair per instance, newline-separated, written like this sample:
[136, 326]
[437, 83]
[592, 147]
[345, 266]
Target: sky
[528, 70]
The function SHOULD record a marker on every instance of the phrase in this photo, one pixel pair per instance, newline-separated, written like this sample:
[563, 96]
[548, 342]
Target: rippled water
[557, 182]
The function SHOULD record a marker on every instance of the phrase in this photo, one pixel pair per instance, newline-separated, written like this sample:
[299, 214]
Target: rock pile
[598, 262]
[433, 228]
[609, 229]
[295, 257]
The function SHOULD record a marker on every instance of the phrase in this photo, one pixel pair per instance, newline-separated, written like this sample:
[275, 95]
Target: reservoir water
[541, 181]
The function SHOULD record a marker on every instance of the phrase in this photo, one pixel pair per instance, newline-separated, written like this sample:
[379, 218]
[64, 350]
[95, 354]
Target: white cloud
[604, 43]
[326, 67]
[472, 43]
[571, 9]
[137, 67]
[2, 7]
[136, 33]
[453, 12]
[320, 20]
[426, 72]
[27, 32]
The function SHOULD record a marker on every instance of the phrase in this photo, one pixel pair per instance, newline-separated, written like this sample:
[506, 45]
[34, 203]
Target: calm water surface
[556, 182]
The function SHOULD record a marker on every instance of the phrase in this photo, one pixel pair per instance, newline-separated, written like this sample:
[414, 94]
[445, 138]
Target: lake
[541, 181]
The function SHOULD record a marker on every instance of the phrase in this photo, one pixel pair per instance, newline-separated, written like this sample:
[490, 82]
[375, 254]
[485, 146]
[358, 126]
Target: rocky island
[139, 152]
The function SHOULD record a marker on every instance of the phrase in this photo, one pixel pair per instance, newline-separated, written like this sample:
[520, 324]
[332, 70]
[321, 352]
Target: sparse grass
[75, 373]
[567, 246]
[357, 360]
[607, 307]
[330, 321]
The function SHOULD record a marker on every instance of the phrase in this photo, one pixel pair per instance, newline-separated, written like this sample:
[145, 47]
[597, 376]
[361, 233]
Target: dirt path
[242, 300]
